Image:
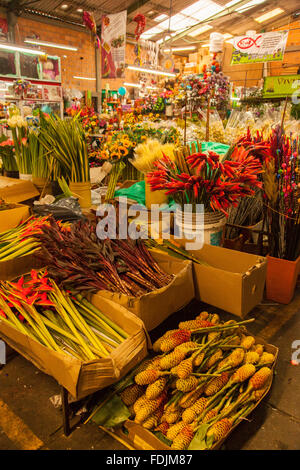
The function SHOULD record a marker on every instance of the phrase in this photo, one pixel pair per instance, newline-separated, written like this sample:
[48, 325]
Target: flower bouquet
[19, 131]
[7, 154]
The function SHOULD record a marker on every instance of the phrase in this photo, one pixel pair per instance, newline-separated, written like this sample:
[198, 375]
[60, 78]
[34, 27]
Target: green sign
[281, 86]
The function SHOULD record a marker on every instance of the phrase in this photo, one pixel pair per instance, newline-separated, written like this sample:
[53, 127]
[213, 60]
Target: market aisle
[274, 425]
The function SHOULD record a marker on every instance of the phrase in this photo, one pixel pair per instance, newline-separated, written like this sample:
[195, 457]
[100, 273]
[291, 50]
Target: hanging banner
[265, 47]
[281, 86]
[113, 44]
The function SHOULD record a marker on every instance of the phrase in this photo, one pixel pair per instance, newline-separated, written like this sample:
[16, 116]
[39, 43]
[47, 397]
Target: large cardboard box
[141, 439]
[11, 218]
[83, 378]
[153, 308]
[18, 266]
[230, 280]
[15, 190]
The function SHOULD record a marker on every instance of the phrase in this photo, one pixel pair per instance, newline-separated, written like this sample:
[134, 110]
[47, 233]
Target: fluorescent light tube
[155, 72]
[50, 44]
[200, 30]
[269, 15]
[83, 78]
[134, 85]
[21, 49]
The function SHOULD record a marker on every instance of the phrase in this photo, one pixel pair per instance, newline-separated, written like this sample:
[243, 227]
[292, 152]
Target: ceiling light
[50, 44]
[233, 2]
[83, 78]
[21, 49]
[249, 5]
[205, 45]
[160, 17]
[151, 32]
[64, 6]
[187, 48]
[202, 9]
[80, 10]
[134, 85]
[227, 36]
[270, 14]
[200, 30]
[153, 71]
[151, 87]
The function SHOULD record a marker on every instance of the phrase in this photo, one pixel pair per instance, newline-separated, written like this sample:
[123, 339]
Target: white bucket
[25, 177]
[211, 226]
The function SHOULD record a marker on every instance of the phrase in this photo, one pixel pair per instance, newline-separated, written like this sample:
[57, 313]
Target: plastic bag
[65, 209]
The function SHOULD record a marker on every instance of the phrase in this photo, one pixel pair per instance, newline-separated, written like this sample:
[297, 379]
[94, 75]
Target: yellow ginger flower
[148, 407]
[213, 335]
[215, 319]
[233, 360]
[175, 429]
[163, 427]
[209, 415]
[185, 368]
[174, 370]
[251, 357]
[258, 394]
[214, 358]
[258, 348]
[188, 346]
[157, 343]
[183, 438]
[190, 414]
[189, 398]
[172, 359]
[139, 403]
[154, 390]
[172, 417]
[175, 339]
[198, 359]
[202, 316]
[266, 358]
[154, 419]
[130, 394]
[154, 363]
[260, 378]
[247, 342]
[216, 384]
[147, 376]
[219, 429]
[186, 385]
[243, 373]
[229, 331]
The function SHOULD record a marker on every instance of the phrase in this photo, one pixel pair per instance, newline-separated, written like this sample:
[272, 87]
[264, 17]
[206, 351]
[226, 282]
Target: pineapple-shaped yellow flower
[219, 429]
[183, 438]
[251, 357]
[149, 406]
[190, 414]
[243, 373]
[247, 342]
[130, 394]
[172, 359]
[266, 358]
[216, 384]
[155, 389]
[175, 429]
[188, 384]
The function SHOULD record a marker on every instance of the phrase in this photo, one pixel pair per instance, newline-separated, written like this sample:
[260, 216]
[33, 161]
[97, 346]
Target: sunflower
[105, 155]
[123, 151]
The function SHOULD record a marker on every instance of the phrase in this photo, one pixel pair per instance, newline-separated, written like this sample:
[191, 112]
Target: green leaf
[210, 441]
[111, 414]
[199, 442]
[162, 438]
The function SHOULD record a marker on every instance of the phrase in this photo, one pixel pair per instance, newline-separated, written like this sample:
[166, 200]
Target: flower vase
[212, 227]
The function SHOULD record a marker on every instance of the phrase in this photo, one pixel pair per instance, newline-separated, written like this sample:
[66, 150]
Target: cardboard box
[141, 439]
[83, 378]
[231, 280]
[154, 307]
[10, 218]
[17, 267]
[15, 190]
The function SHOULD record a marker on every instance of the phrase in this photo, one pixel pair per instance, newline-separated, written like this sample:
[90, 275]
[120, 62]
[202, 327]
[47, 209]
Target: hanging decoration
[90, 23]
[113, 44]
[21, 86]
[140, 27]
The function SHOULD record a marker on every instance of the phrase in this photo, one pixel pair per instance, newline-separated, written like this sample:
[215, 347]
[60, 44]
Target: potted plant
[202, 178]
[65, 143]
[40, 164]
[282, 213]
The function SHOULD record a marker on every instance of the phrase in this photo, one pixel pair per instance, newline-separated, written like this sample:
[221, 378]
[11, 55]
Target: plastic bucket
[154, 197]
[214, 223]
[83, 193]
[25, 177]
[281, 279]
[43, 185]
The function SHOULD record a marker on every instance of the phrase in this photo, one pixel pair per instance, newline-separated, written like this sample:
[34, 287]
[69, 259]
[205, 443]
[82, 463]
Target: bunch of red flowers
[216, 184]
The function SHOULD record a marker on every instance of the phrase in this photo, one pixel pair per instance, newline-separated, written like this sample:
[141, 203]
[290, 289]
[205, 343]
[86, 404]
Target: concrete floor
[28, 419]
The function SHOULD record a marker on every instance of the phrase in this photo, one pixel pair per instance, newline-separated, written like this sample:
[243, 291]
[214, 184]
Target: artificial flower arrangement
[204, 178]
